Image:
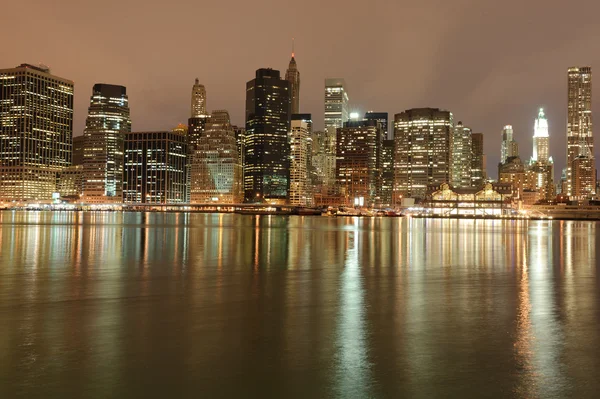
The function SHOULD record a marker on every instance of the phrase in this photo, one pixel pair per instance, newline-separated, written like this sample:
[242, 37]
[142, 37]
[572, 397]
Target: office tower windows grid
[155, 168]
[36, 131]
[461, 156]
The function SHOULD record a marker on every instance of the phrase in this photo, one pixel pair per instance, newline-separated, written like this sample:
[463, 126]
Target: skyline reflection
[233, 305]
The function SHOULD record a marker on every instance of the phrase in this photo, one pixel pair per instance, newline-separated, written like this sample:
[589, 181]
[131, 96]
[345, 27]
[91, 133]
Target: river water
[123, 305]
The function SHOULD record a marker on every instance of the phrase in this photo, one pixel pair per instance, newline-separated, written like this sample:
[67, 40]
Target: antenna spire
[292, 47]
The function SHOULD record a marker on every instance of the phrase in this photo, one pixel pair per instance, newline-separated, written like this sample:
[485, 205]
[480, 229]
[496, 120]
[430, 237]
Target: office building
[422, 154]
[215, 165]
[300, 192]
[267, 163]
[509, 147]
[107, 123]
[292, 75]
[155, 168]
[336, 104]
[580, 142]
[541, 168]
[36, 132]
[461, 156]
[387, 174]
[512, 171]
[383, 119]
[78, 149]
[357, 173]
[541, 138]
[198, 100]
[70, 182]
[478, 174]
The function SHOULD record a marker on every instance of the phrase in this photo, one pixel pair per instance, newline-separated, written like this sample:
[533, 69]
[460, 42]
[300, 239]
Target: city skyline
[504, 85]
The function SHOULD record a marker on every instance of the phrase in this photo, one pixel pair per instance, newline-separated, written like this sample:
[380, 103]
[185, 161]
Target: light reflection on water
[146, 304]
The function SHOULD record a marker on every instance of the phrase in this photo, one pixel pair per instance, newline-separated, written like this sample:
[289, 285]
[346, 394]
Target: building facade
[386, 190]
[78, 147]
[357, 173]
[70, 182]
[36, 132]
[107, 123]
[267, 164]
[198, 100]
[461, 156]
[478, 174]
[215, 165]
[422, 154]
[292, 75]
[300, 192]
[337, 108]
[509, 147]
[155, 168]
[580, 142]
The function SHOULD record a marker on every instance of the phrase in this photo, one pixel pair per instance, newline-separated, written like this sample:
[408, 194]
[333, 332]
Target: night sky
[491, 63]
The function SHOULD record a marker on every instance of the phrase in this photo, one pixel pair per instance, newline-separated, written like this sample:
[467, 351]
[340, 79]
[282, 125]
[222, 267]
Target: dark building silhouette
[266, 173]
[78, 145]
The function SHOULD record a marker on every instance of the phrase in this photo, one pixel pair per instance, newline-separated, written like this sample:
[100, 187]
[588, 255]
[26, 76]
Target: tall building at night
[215, 165]
[36, 131]
[267, 164]
[107, 123]
[541, 167]
[155, 168]
[461, 156]
[422, 154]
[581, 183]
[383, 119]
[509, 147]
[300, 192]
[357, 173]
[478, 174]
[292, 75]
[337, 109]
[78, 147]
[198, 100]
[386, 190]
[240, 139]
[541, 138]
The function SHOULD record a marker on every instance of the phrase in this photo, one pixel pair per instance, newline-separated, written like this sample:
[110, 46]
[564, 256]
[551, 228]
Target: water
[111, 305]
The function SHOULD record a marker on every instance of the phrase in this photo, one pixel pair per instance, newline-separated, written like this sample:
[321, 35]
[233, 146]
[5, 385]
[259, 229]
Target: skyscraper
[78, 147]
[215, 164]
[266, 174]
[36, 131]
[155, 168]
[299, 151]
[383, 119]
[580, 143]
[461, 156]
[478, 174]
[357, 173]
[198, 100]
[422, 153]
[509, 147]
[387, 173]
[292, 75]
[105, 127]
[540, 138]
[336, 103]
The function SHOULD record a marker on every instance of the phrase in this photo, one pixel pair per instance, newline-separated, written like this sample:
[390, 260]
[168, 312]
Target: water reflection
[228, 305]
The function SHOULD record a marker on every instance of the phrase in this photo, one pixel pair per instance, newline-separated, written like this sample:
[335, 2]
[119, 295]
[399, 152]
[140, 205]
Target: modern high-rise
[300, 192]
[509, 147]
[215, 165]
[78, 148]
[580, 143]
[155, 168]
[357, 173]
[540, 138]
[292, 75]
[336, 103]
[198, 100]
[422, 154]
[310, 149]
[36, 132]
[266, 174]
[107, 123]
[387, 173]
[383, 119]
[461, 156]
[240, 139]
[478, 174]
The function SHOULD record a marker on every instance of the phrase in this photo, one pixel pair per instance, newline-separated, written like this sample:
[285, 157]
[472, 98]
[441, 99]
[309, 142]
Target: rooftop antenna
[292, 47]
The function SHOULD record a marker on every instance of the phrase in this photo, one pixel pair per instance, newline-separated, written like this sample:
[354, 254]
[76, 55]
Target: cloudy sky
[491, 63]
